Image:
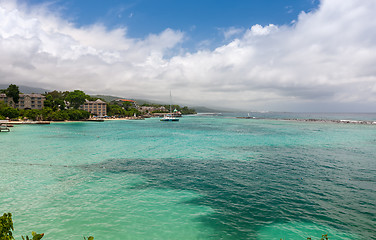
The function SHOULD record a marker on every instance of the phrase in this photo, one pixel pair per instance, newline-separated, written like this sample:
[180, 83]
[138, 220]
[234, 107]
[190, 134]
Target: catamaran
[169, 117]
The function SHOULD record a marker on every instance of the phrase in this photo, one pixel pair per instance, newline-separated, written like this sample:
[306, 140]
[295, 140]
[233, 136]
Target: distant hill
[107, 98]
[201, 109]
[26, 89]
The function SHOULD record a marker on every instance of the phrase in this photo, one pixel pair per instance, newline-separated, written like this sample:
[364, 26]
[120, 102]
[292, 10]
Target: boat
[4, 128]
[169, 117]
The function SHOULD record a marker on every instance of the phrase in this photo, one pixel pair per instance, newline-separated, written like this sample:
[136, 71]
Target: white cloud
[231, 32]
[258, 30]
[326, 56]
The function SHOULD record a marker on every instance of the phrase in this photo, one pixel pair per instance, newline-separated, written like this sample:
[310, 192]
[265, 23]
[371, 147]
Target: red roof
[125, 100]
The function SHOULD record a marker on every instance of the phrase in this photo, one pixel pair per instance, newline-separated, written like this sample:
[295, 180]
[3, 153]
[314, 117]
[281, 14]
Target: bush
[33, 114]
[6, 227]
[10, 112]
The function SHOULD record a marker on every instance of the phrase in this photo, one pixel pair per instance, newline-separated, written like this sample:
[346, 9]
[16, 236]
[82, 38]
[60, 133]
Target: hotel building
[26, 101]
[97, 108]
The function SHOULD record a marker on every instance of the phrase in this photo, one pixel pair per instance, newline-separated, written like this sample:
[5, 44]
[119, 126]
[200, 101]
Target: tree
[49, 102]
[186, 110]
[127, 105]
[33, 114]
[57, 94]
[13, 92]
[75, 114]
[9, 112]
[76, 98]
[60, 104]
[54, 103]
[6, 227]
[59, 116]
[115, 110]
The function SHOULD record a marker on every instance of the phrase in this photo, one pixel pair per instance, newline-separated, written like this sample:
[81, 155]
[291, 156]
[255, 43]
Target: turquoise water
[205, 177]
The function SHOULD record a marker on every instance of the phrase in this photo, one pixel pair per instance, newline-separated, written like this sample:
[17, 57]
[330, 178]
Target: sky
[251, 55]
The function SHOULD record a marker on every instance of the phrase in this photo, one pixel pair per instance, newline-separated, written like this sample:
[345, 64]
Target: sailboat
[169, 117]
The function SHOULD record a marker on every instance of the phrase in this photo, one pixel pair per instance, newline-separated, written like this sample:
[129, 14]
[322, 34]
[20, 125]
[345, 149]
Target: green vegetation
[6, 228]
[35, 235]
[76, 98]
[123, 109]
[60, 106]
[184, 110]
[45, 114]
[13, 92]
[55, 100]
[9, 112]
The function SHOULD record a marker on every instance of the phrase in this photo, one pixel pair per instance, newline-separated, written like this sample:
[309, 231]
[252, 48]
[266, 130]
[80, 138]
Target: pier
[29, 122]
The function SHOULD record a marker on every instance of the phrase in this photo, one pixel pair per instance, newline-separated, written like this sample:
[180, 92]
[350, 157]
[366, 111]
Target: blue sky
[260, 55]
[201, 20]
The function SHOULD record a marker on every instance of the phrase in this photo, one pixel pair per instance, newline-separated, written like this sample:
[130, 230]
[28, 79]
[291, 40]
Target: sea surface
[204, 177]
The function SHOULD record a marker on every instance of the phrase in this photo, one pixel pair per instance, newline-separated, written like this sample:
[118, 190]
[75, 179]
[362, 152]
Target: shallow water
[205, 177]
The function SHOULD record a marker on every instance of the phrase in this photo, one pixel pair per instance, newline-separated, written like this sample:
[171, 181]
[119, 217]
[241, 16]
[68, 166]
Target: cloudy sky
[268, 55]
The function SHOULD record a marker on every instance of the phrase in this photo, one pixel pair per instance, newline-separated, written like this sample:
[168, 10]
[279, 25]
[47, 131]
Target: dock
[29, 122]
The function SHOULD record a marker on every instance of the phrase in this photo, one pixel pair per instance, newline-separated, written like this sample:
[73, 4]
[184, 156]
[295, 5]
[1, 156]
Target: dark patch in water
[282, 185]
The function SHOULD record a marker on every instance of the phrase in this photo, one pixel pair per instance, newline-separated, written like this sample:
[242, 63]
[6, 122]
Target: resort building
[97, 108]
[145, 109]
[26, 101]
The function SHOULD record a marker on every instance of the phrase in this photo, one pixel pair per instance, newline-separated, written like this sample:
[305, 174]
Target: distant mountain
[107, 98]
[26, 89]
[201, 109]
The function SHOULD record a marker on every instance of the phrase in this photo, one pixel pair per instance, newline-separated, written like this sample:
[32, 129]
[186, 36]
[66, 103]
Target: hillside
[26, 89]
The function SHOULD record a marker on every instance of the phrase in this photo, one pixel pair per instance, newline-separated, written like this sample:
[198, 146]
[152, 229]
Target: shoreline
[67, 121]
[343, 121]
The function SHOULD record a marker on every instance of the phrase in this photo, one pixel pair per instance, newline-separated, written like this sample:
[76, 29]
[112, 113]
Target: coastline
[52, 121]
[311, 120]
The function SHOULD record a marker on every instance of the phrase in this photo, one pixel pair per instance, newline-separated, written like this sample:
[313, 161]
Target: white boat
[169, 117]
[4, 128]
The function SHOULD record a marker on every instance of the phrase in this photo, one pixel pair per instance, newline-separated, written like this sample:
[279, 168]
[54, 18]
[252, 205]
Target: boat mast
[170, 103]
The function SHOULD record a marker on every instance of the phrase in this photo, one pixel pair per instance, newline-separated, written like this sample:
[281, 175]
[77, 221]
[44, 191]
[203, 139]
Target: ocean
[204, 177]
